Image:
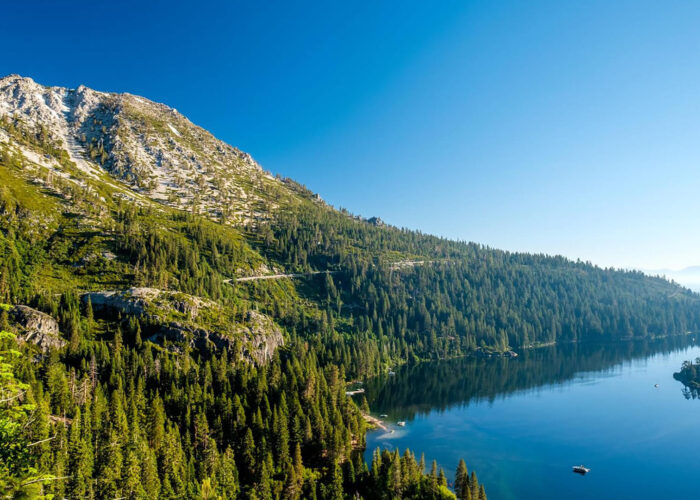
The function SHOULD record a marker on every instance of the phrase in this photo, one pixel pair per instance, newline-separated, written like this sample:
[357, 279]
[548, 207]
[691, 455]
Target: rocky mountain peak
[149, 148]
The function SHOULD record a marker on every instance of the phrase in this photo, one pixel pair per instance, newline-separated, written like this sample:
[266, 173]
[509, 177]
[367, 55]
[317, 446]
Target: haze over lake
[522, 423]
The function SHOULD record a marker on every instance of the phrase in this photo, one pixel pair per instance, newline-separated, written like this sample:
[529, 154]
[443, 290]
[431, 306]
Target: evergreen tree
[79, 461]
[462, 481]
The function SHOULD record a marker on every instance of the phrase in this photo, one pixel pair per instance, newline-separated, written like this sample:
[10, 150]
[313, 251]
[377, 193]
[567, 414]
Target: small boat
[656, 385]
[383, 415]
[401, 423]
[580, 469]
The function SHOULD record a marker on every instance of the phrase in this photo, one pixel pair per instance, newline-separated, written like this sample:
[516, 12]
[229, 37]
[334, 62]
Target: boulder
[139, 301]
[261, 337]
[37, 327]
[258, 338]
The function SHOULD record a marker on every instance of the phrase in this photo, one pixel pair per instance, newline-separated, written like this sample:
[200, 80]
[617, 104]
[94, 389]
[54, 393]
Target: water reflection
[426, 387]
[522, 423]
[689, 377]
[690, 392]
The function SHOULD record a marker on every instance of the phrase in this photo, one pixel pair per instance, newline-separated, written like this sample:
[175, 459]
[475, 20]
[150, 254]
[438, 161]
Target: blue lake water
[522, 423]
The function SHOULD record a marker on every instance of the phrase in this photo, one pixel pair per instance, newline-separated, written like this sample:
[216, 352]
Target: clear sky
[560, 127]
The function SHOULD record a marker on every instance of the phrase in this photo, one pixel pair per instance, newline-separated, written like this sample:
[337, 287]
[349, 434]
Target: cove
[522, 423]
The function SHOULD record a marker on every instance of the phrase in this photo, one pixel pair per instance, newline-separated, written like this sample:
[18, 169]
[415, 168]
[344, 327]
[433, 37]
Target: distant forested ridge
[444, 298]
[135, 365]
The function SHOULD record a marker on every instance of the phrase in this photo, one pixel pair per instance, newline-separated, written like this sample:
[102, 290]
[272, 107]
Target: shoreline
[479, 353]
[376, 422]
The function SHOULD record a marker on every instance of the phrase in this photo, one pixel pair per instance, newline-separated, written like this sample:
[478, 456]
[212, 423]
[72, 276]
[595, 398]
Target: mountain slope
[116, 191]
[159, 373]
[149, 147]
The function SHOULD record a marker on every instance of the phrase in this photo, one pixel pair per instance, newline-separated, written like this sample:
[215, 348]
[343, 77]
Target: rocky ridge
[148, 148]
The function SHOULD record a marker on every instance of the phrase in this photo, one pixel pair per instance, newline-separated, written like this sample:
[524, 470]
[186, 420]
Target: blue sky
[559, 127]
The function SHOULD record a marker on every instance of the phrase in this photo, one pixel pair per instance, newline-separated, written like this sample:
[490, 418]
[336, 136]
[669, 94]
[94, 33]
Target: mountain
[150, 148]
[176, 303]
[103, 172]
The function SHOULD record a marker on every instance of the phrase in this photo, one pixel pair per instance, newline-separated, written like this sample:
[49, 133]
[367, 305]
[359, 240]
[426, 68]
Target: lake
[522, 423]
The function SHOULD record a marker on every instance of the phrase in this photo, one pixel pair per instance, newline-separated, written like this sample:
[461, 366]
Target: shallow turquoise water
[522, 423]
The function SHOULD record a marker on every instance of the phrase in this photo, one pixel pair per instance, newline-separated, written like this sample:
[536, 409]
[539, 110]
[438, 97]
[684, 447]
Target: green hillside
[167, 376]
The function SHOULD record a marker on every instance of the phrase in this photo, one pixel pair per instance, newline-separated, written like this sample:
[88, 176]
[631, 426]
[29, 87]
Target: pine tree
[137, 334]
[149, 472]
[365, 406]
[75, 335]
[474, 486]
[79, 461]
[442, 479]
[227, 475]
[132, 487]
[462, 481]
[434, 471]
[4, 319]
[111, 471]
[89, 317]
[117, 342]
[156, 423]
[248, 454]
[291, 484]
[395, 480]
[376, 465]
[264, 489]
[336, 486]
[298, 467]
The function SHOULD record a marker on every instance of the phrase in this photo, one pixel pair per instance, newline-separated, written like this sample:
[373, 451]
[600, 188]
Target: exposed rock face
[149, 147]
[257, 339]
[133, 301]
[37, 327]
[262, 337]
[142, 301]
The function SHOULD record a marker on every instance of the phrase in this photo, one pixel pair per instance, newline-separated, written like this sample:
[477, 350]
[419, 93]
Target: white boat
[580, 469]
[401, 423]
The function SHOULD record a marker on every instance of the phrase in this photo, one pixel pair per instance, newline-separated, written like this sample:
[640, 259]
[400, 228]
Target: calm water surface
[522, 423]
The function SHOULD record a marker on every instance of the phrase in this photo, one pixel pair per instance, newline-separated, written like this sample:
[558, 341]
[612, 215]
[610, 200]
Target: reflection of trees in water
[691, 392]
[423, 387]
[690, 377]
